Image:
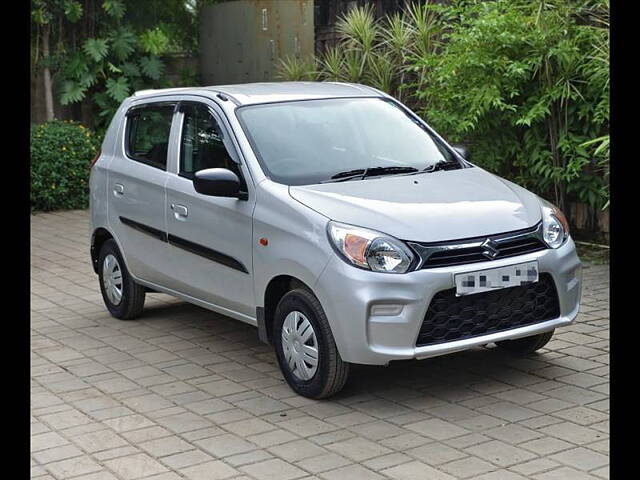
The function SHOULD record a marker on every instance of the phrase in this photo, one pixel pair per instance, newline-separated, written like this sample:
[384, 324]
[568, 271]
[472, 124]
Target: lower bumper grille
[451, 318]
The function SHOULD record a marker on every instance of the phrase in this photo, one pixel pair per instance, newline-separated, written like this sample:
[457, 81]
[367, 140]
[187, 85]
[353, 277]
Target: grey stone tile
[135, 466]
[416, 471]
[274, 468]
[209, 471]
[225, 445]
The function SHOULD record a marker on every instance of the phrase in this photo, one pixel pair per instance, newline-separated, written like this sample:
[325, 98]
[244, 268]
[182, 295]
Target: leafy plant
[100, 53]
[515, 79]
[379, 53]
[61, 153]
[109, 69]
[297, 69]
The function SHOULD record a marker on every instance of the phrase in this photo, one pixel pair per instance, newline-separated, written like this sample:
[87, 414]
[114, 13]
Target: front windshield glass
[314, 141]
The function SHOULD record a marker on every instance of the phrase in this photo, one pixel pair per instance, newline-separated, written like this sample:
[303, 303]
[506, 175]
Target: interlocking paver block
[437, 429]
[351, 472]
[225, 445]
[467, 467]
[581, 458]
[135, 466]
[209, 471]
[358, 449]
[274, 468]
[322, 463]
[97, 441]
[416, 471]
[297, 450]
[185, 393]
[500, 453]
[73, 467]
[161, 447]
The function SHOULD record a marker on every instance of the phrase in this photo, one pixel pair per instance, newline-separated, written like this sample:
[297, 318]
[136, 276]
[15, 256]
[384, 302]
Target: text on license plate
[493, 278]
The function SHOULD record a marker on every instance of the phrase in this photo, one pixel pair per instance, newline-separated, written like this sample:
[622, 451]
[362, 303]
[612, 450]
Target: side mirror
[218, 182]
[463, 151]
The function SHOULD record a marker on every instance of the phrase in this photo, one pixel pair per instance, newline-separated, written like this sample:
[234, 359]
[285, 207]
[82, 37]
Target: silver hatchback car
[331, 217]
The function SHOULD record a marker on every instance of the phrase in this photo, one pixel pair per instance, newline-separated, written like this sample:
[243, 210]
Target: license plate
[469, 283]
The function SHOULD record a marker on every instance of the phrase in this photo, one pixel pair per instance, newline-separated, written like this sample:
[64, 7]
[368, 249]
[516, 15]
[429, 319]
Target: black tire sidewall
[526, 345]
[296, 301]
[118, 311]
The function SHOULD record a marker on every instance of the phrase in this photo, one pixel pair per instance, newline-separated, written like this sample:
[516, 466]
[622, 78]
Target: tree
[99, 52]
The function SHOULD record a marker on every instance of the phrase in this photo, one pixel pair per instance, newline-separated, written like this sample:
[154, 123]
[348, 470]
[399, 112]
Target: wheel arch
[277, 287]
[99, 236]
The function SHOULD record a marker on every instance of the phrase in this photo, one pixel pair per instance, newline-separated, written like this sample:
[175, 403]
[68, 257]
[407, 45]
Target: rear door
[136, 186]
[210, 238]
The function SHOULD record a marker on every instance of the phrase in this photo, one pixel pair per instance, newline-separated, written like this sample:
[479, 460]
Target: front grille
[451, 318]
[472, 251]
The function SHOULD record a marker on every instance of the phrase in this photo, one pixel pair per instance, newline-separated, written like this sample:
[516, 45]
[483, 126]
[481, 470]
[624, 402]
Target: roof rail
[149, 91]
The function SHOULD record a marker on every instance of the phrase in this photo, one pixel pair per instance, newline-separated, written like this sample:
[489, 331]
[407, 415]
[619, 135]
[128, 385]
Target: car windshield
[316, 141]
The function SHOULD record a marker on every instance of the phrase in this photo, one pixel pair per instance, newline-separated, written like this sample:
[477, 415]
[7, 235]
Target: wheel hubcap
[300, 345]
[112, 279]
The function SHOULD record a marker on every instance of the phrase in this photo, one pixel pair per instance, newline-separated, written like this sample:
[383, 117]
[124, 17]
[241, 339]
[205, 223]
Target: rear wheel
[306, 349]
[123, 297]
[526, 345]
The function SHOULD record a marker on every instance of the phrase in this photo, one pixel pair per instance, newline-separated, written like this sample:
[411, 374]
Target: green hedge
[61, 154]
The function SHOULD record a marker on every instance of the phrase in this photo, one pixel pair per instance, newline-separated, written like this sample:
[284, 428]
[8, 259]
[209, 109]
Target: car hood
[427, 207]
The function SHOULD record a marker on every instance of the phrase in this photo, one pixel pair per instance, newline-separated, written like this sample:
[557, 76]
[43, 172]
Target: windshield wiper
[373, 171]
[348, 174]
[441, 165]
[362, 173]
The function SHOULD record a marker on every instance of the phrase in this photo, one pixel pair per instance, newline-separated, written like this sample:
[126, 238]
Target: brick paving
[184, 393]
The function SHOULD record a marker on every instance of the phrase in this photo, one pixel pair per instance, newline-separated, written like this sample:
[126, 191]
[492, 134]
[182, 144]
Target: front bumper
[376, 317]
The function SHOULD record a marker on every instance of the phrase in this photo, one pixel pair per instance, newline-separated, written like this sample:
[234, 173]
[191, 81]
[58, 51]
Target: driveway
[187, 393]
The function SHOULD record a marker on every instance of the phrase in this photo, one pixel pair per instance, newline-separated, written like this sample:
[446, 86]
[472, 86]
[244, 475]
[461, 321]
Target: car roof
[267, 92]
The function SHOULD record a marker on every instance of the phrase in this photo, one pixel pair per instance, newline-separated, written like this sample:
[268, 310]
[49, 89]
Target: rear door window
[148, 129]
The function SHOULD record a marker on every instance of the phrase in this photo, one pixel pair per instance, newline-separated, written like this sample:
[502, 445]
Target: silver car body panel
[375, 317]
[429, 207]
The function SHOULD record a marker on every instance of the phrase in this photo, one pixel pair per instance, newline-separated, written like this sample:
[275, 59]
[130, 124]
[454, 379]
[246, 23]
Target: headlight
[555, 228]
[369, 249]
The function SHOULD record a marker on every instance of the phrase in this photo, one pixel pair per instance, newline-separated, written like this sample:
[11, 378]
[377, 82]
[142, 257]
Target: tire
[131, 300]
[526, 345]
[331, 372]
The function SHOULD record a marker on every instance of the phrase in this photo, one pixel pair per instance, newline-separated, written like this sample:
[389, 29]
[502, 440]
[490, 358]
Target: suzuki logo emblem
[490, 249]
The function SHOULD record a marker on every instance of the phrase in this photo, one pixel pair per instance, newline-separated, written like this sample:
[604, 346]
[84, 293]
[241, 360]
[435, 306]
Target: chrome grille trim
[461, 252]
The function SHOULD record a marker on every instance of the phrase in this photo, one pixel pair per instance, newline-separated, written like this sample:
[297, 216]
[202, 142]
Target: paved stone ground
[186, 393]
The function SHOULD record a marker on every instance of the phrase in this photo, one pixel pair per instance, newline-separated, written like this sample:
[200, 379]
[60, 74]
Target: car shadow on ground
[448, 377]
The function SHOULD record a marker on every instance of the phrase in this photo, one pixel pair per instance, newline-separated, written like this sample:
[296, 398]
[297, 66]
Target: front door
[209, 237]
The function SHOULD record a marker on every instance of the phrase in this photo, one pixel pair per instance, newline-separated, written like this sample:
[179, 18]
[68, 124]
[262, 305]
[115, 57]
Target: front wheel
[526, 345]
[123, 297]
[306, 350]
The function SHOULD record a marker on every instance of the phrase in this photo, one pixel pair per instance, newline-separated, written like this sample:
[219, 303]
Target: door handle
[179, 210]
[118, 189]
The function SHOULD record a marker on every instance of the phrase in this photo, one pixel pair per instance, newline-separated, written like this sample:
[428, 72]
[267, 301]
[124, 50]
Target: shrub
[381, 53]
[61, 154]
[526, 83]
